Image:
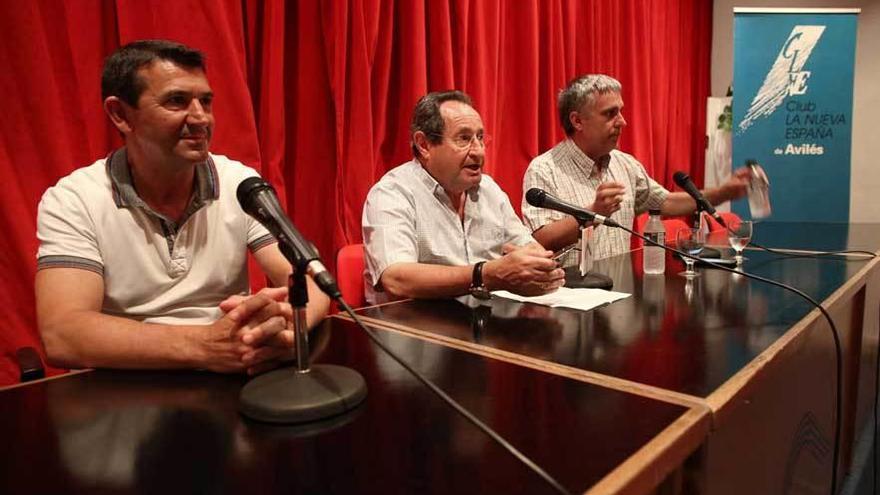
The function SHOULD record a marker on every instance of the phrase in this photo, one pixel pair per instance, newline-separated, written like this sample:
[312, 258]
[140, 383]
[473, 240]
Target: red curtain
[317, 95]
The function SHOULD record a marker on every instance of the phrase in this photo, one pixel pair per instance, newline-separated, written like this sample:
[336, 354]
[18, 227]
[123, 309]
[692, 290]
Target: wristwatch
[478, 289]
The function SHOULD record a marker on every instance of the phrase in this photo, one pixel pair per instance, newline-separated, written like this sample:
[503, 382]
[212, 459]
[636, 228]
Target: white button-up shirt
[408, 218]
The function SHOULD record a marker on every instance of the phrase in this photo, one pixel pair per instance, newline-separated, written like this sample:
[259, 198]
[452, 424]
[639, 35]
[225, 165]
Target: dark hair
[426, 116]
[119, 77]
[580, 92]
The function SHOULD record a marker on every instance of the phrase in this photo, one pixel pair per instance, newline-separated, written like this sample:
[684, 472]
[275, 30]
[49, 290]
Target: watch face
[480, 293]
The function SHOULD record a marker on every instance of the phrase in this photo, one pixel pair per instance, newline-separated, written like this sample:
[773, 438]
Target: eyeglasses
[465, 140]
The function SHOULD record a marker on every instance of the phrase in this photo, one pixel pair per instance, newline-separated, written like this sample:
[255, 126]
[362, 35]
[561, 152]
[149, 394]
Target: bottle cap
[759, 177]
[654, 211]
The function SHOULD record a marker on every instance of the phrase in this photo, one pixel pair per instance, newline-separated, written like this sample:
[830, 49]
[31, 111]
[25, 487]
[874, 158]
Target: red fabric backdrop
[317, 95]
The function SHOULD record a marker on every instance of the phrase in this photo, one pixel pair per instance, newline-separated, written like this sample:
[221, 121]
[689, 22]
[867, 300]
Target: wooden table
[180, 432]
[761, 358]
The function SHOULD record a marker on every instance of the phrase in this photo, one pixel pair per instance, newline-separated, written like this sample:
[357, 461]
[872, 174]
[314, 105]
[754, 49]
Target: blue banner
[792, 109]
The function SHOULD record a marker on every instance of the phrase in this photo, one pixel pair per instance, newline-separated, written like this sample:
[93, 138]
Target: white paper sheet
[583, 299]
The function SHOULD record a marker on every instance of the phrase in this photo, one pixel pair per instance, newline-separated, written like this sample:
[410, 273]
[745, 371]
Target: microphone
[540, 198]
[257, 198]
[684, 181]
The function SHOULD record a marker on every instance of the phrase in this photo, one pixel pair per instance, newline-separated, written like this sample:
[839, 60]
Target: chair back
[729, 218]
[638, 226]
[673, 225]
[350, 274]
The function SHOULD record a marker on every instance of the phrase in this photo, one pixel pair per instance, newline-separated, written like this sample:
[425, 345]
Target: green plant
[725, 120]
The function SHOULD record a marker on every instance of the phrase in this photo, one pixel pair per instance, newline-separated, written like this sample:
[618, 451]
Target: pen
[562, 252]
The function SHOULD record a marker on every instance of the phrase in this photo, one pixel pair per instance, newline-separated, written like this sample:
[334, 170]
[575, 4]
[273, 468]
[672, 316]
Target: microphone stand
[304, 396]
[303, 393]
[298, 296]
[585, 261]
[698, 216]
[580, 276]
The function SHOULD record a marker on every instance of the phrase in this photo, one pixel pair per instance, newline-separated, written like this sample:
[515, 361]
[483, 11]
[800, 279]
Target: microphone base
[591, 280]
[285, 396]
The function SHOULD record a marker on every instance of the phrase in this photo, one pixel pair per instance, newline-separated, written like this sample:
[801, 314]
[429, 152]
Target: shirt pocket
[495, 235]
[440, 249]
[491, 240]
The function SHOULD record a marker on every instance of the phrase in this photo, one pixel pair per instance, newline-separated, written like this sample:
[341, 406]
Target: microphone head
[681, 178]
[535, 197]
[246, 190]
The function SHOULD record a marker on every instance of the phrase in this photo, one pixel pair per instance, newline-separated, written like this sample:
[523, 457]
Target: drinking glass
[739, 235]
[690, 241]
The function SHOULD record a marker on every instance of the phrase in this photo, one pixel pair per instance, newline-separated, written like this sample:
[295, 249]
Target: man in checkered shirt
[587, 170]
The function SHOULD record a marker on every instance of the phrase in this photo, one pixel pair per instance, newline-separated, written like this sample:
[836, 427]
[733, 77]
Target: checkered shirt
[567, 173]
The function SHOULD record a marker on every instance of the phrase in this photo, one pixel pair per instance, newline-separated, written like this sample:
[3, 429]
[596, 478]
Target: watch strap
[477, 277]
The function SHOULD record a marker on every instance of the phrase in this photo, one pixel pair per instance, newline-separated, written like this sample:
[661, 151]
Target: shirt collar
[435, 188]
[207, 186]
[572, 152]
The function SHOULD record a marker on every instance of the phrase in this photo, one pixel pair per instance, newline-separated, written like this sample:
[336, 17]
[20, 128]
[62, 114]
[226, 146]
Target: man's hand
[528, 270]
[736, 186]
[609, 195]
[254, 334]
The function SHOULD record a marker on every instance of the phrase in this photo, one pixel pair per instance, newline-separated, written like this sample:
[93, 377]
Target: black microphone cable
[557, 486]
[874, 432]
[540, 195]
[270, 214]
[844, 254]
[814, 254]
[834, 333]
[798, 254]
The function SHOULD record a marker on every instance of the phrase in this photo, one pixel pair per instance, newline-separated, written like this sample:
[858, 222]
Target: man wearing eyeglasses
[586, 169]
[437, 226]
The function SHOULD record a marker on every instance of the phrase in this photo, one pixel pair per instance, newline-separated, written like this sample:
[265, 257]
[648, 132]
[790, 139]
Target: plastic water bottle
[655, 256]
[654, 299]
[759, 191]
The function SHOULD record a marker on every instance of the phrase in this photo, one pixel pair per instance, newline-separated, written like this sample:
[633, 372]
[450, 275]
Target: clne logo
[786, 77]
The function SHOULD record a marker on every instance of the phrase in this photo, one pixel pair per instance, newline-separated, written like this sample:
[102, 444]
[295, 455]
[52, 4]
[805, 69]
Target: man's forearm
[559, 234]
[681, 203]
[717, 195]
[89, 339]
[423, 280]
[76, 334]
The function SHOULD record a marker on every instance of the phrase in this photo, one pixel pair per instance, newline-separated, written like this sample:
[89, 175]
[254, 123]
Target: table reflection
[688, 336]
[149, 437]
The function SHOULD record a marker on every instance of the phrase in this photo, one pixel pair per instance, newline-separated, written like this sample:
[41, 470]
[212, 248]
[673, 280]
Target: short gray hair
[581, 91]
